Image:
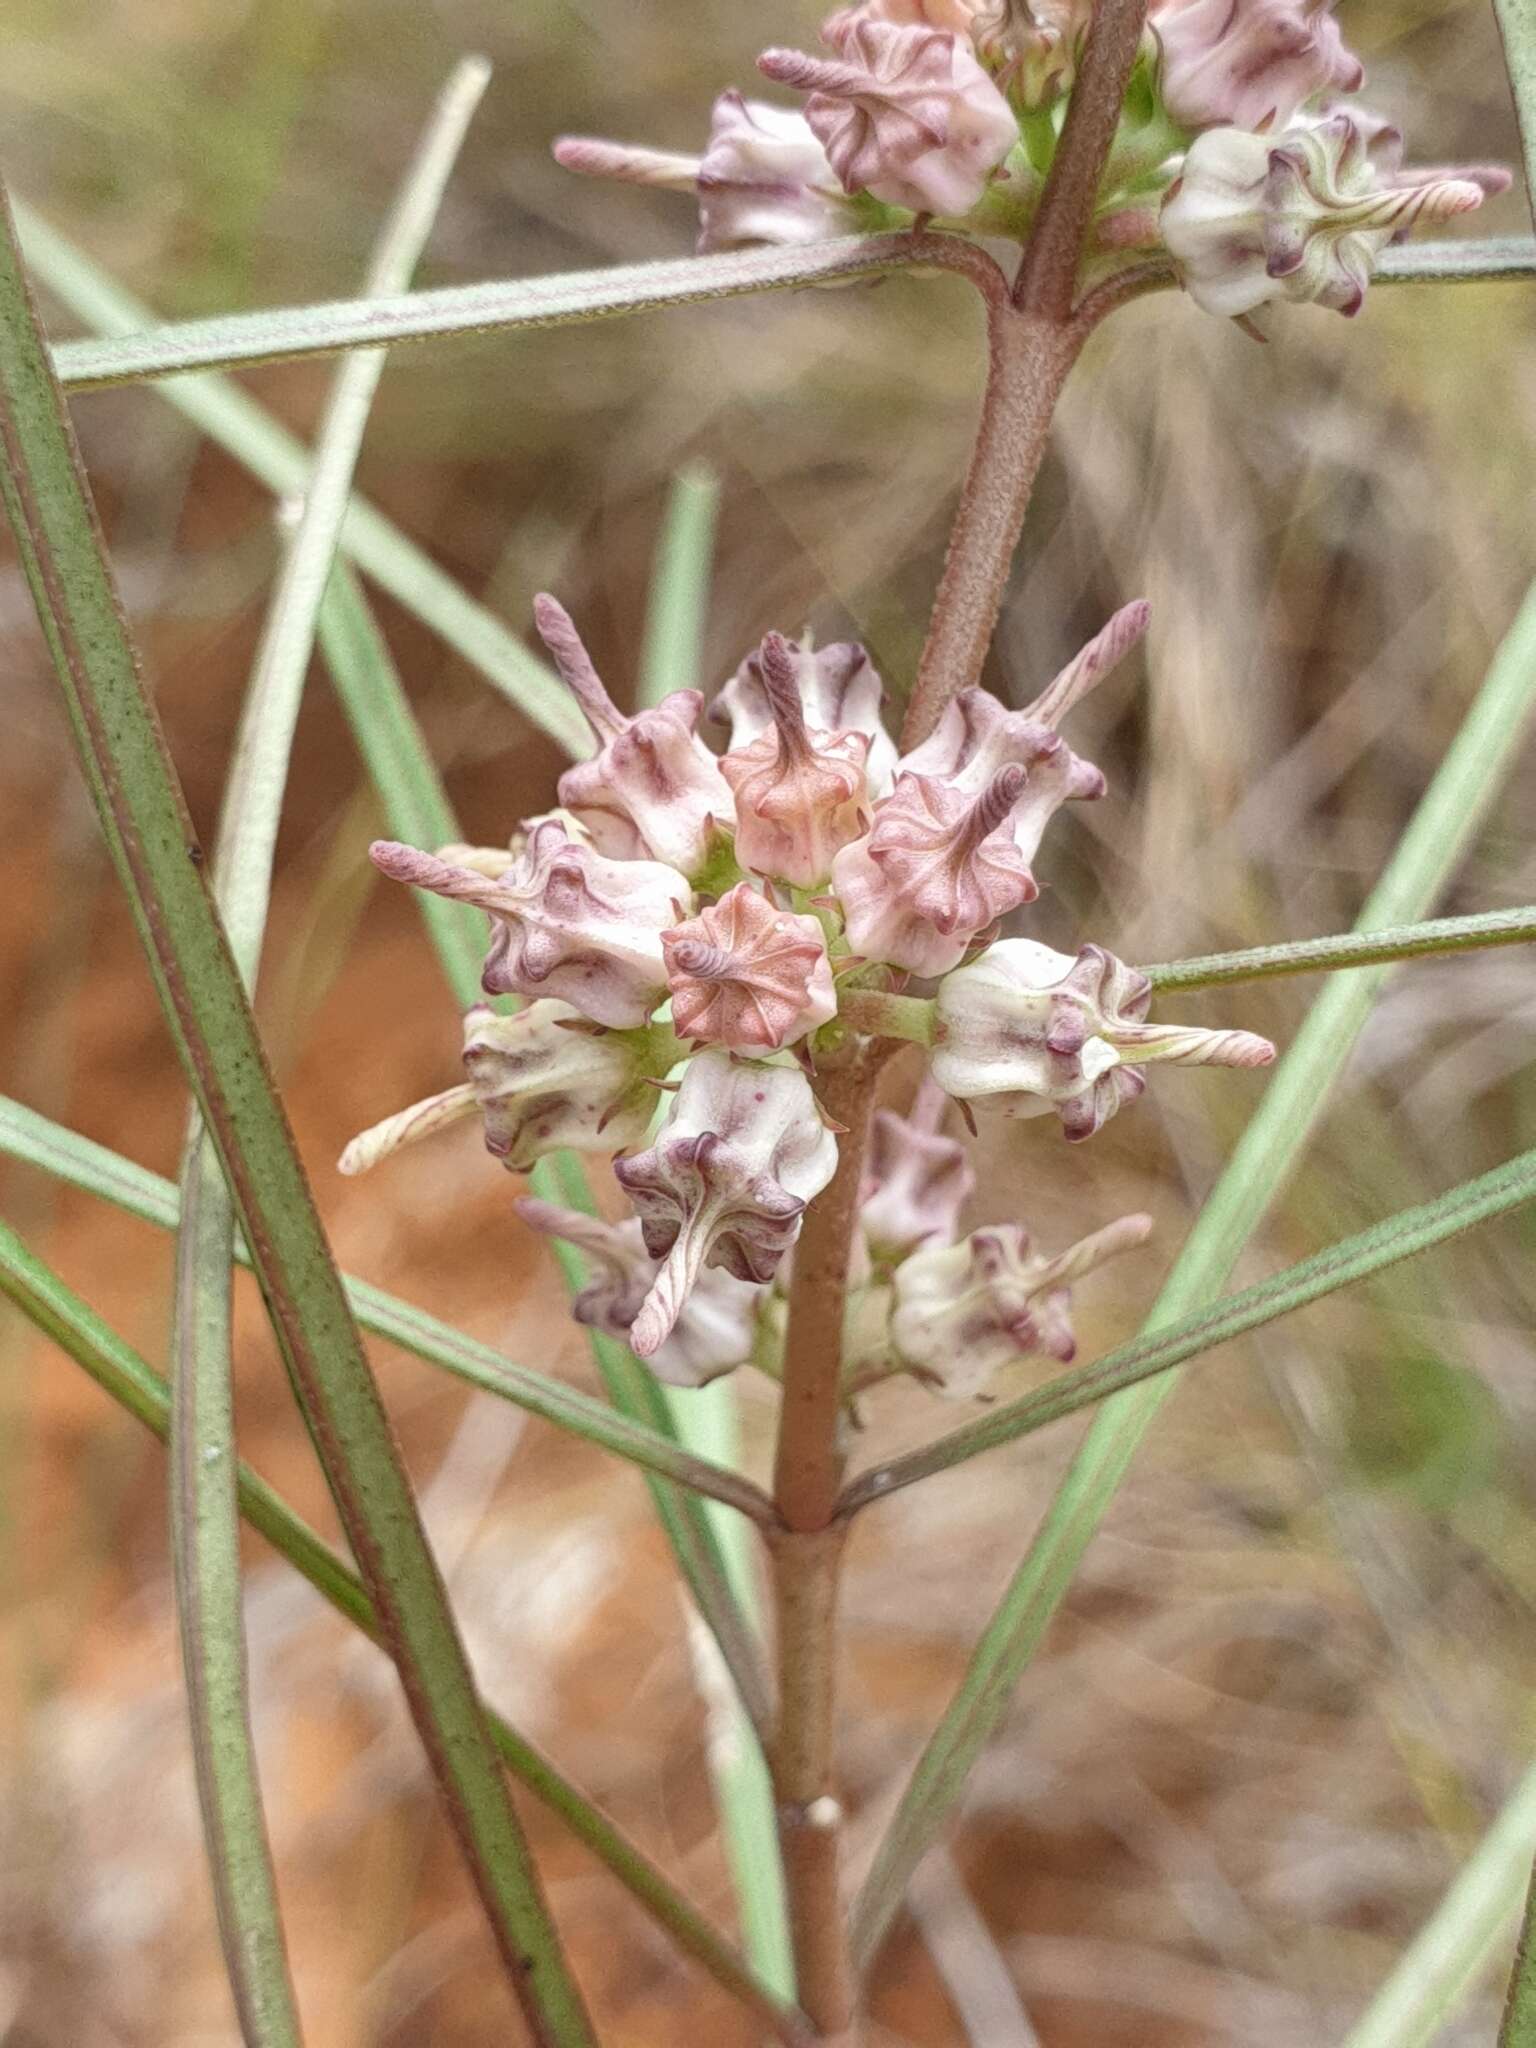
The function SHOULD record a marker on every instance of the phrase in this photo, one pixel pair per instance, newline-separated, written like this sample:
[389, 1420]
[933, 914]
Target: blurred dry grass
[1296, 1678]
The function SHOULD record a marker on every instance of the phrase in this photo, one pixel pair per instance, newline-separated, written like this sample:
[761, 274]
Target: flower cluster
[694, 934]
[1236, 155]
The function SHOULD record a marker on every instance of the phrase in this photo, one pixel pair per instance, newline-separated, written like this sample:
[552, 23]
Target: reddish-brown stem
[1028, 361]
[810, 1815]
[806, 1554]
[1047, 280]
[1032, 344]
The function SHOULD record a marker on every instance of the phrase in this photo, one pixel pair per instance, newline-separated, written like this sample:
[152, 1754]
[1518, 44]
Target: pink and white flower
[653, 787]
[565, 921]
[965, 1312]
[726, 1182]
[540, 1080]
[1027, 1030]
[747, 975]
[713, 1334]
[905, 113]
[800, 791]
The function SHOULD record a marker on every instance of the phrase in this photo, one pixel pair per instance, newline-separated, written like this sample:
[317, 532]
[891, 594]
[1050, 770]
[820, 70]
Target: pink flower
[1302, 215]
[1029, 1029]
[977, 736]
[800, 792]
[905, 113]
[1249, 63]
[967, 1311]
[713, 1334]
[564, 921]
[840, 691]
[937, 867]
[955, 16]
[726, 1182]
[763, 179]
[747, 975]
[917, 1181]
[653, 787]
[541, 1079]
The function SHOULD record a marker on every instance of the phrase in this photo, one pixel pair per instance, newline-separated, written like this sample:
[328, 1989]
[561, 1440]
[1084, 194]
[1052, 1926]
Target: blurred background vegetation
[1296, 1678]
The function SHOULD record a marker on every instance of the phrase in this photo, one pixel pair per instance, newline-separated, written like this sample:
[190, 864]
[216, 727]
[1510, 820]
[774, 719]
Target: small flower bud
[1030, 1029]
[1301, 216]
[653, 787]
[840, 691]
[905, 113]
[726, 1182]
[938, 867]
[965, 1312]
[537, 1083]
[916, 1185]
[763, 180]
[1248, 63]
[800, 791]
[747, 975]
[564, 921]
[1032, 45]
[713, 1334]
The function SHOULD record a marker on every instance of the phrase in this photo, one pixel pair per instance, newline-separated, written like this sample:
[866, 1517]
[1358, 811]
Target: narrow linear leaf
[1478, 259]
[1517, 26]
[706, 1419]
[1518, 2028]
[82, 1163]
[205, 1513]
[1441, 830]
[1343, 1264]
[672, 652]
[708, 1424]
[1350, 949]
[239, 340]
[234, 420]
[205, 1554]
[144, 819]
[1448, 1954]
[414, 799]
[53, 1308]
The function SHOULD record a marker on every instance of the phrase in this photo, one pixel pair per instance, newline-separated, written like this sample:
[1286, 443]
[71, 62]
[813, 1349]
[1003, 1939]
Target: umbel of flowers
[692, 933]
[1242, 154]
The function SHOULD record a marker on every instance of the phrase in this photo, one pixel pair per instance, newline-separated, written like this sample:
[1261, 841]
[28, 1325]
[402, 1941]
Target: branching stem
[1034, 336]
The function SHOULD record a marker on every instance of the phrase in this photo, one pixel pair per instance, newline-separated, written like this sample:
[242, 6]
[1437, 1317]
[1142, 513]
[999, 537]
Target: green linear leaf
[277, 334]
[205, 1555]
[672, 653]
[82, 1163]
[706, 1419]
[1517, 26]
[237, 340]
[1350, 949]
[1481, 259]
[1444, 1959]
[205, 1513]
[1441, 830]
[144, 819]
[61, 1315]
[412, 793]
[1352, 1259]
[234, 420]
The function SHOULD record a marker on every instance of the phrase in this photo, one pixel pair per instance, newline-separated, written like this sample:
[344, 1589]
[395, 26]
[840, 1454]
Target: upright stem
[1047, 284]
[1028, 359]
[1034, 336]
[808, 1472]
